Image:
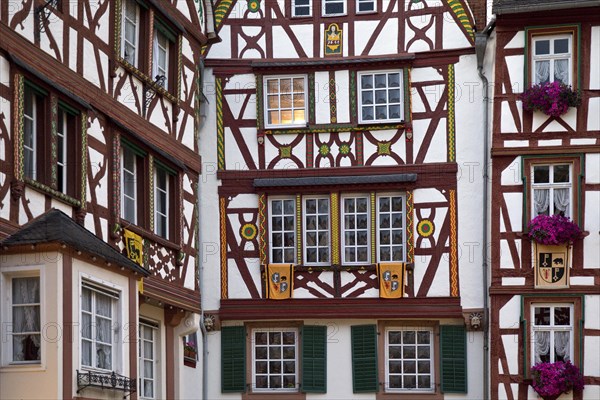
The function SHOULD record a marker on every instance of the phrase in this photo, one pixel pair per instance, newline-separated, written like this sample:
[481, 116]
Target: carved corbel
[16, 190]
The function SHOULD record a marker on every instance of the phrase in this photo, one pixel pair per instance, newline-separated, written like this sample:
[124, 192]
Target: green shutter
[453, 348]
[314, 359]
[233, 359]
[364, 358]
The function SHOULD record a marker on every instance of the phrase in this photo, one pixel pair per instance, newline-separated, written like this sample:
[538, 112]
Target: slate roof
[522, 6]
[57, 227]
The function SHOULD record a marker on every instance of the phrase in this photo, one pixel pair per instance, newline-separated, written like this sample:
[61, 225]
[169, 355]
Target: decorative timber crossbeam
[109, 380]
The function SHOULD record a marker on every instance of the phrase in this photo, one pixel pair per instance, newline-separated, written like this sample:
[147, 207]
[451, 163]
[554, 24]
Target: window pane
[542, 316]
[561, 46]
[272, 86]
[285, 85]
[103, 356]
[561, 71]
[562, 346]
[562, 316]
[367, 97]
[542, 71]
[542, 47]
[366, 81]
[561, 173]
[541, 174]
[26, 290]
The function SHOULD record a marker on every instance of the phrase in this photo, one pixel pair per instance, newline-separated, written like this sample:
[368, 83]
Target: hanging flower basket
[553, 230]
[550, 380]
[551, 98]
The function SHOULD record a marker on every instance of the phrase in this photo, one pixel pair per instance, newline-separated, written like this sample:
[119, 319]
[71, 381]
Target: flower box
[551, 98]
[551, 380]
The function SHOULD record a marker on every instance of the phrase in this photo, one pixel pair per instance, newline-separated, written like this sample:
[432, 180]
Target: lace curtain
[542, 71]
[561, 201]
[561, 71]
[562, 346]
[541, 199]
[26, 319]
[542, 346]
[103, 331]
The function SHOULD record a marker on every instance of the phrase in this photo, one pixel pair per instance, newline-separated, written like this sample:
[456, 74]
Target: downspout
[200, 123]
[481, 40]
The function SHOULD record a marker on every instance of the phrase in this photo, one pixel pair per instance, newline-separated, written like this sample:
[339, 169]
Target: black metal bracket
[150, 89]
[42, 14]
[109, 380]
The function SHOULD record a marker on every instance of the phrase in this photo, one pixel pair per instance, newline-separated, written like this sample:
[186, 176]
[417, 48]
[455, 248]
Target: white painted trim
[360, 103]
[270, 216]
[310, 9]
[403, 196]
[266, 100]
[303, 215]
[343, 231]
[297, 358]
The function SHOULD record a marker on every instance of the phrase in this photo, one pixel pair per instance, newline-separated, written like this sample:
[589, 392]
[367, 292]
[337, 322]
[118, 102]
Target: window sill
[146, 234]
[54, 193]
[409, 396]
[147, 80]
[189, 362]
[274, 395]
[334, 128]
[29, 367]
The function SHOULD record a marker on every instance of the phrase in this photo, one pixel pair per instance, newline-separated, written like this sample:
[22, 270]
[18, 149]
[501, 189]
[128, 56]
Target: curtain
[541, 200]
[103, 331]
[562, 346]
[542, 346]
[562, 199]
[26, 318]
[542, 71]
[561, 71]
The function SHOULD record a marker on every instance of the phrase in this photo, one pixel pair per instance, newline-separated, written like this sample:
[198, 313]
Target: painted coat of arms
[333, 40]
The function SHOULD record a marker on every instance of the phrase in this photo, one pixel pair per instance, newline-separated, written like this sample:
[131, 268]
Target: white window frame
[164, 213]
[33, 119]
[125, 174]
[551, 57]
[324, 8]
[553, 328]
[295, 6]
[62, 150]
[136, 25]
[158, 69]
[296, 359]
[379, 229]
[145, 324]
[432, 366]
[6, 348]
[551, 186]
[279, 78]
[305, 229]
[343, 228]
[110, 290]
[283, 230]
[387, 104]
[359, 2]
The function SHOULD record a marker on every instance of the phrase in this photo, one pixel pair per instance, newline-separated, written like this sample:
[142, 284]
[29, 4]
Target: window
[131, 32]
[390, 228]
[334, 7]
[301, 8]
[355, 229]
[552, 332]
[98, 322]
[380, 98]
[26, 324]
[285, 102]
[283, 230]
[275, 360]
[365, 6]
[316, 231]
[160, 63]
[129, 184]
[31, 124]
[148, 335]
[552, 189]
[552, 59]
[409, 359]
[161, 203]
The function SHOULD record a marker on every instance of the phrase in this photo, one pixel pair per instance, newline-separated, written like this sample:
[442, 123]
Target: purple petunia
[553, 230]
[553, 379]
[551, 98]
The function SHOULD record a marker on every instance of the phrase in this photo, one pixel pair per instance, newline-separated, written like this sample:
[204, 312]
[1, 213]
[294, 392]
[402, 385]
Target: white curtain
[561, 71]
[561, 201]
[26, 318]
[103, 331]
[542, 346]
[542, 71]
[562, 346]
[541, 199]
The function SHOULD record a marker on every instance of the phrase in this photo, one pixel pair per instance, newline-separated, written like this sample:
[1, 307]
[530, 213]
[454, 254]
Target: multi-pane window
[131, 31]
[390, 227]
[334, 7]
[355, 229]
[275, 361]
[30, 128]
[552, 333]
[365, 6]
[552, 187]
[161, 203]
[283, 230]
[316, 231]
[148, 333]
[409, 360]
[380, 97]
[97, 323]
[26, 338]
[285, 101]
[129, 185]
[160, 63]
[61, 150]
[552, 59]
[301, 8]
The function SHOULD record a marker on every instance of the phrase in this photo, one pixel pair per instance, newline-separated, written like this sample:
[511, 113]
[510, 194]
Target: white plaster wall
[593, 121]
[342, 82]
[188, 380]
[283, 47]
[36, 204]
[157, 115]
[592, 168]
[515, 214]
[511, 349]
[383, 44]
[595, 58]
[438, 147]
[510, 314]
[304, 32]
[591, 243]
[56, 31]
[222, 49]
[517, 42]
[72, 62]
[366, 28]
[454, 38]
[26, 27]
[322, 97]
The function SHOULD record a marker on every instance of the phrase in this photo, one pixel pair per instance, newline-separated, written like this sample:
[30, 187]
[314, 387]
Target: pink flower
[552, 98]
[553, 229]
[553, 379]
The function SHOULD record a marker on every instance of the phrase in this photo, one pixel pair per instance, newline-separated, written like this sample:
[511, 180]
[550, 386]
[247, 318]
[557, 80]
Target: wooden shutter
[314, 359]
[233, 359]
[364, 358]
[453, 349]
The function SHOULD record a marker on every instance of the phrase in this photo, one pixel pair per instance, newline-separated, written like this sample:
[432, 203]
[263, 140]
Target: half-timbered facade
[545, 303]
[342, 202]
[99, 118]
